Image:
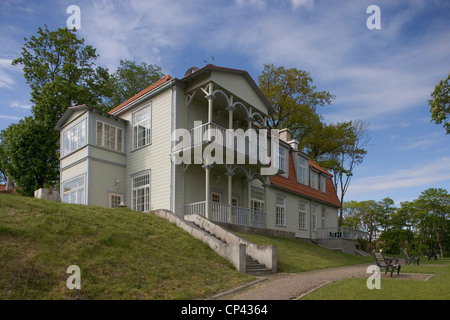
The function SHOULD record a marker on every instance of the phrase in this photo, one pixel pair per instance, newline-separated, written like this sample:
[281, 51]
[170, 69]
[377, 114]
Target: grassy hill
[122, 254]
[298, 256]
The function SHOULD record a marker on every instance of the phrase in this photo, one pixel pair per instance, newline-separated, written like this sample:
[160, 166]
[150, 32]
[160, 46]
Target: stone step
[255, 268]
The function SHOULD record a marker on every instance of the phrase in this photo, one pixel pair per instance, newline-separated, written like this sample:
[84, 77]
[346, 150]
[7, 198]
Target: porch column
[210, 109]
[207, 189]
[249, 201]
[230, 194]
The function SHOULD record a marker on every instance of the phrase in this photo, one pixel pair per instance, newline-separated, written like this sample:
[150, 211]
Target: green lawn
[436, 288]
[298, 256]
[122, 254]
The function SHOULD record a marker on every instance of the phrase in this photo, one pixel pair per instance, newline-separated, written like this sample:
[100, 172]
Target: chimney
[9, 184]
[286, 136]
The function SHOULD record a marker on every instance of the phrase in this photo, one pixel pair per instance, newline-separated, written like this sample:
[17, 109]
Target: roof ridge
[150, 88]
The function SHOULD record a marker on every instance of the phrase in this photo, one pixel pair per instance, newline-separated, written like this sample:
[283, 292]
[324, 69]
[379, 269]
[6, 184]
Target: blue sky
[383, 76]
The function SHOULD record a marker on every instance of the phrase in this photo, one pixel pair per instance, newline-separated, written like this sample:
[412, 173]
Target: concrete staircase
[255, 268]
[252, 266]
[246, 256]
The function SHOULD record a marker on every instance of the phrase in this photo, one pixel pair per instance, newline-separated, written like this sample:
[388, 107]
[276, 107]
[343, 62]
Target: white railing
[341, 232]
[211, 132]
[219, 212]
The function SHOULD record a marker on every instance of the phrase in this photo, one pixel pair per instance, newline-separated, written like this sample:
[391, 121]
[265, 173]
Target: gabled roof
[292, 185]
[117, 110]
[211, 67]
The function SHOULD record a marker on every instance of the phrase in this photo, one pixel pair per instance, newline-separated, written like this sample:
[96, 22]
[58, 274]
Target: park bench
[431, 254]
[386, 263]
[409, 259]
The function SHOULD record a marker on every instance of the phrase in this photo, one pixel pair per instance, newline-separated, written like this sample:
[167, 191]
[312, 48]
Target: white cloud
[6, 80]
[424, 142]
[421, 175]
[20, 105]
[6, 117]
[302, 3]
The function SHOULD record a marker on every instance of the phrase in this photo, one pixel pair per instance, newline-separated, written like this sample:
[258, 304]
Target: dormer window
[314, 180]
[302, 170]
[282, 163]
[323, 183]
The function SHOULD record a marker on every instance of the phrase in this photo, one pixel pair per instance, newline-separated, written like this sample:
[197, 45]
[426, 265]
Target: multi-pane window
[280, 210]
[141, 192]
[257, 199]
[323, 184]
[282, 160]
[74, 190]
[324, 217]
[110, 137]
[74, 138]
[302, 171]
[142, 122]
[302, 215]
[314, 180]
[115, 200]
[314, 217]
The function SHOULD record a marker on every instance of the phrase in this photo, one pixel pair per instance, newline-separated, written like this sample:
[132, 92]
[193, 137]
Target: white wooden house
[129, 155]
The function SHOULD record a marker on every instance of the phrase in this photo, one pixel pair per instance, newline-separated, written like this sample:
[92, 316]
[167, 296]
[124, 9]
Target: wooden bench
[409, 259]
[386, 263]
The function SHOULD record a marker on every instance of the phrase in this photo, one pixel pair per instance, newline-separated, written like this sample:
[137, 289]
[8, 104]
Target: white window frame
[257, 199]
[142, 118]
[302, 215]
[323, 221]
[314, 217]
[302, 170]
[110, 199]
[74, 138]
[79, 192]
[314, 180]
[141, 191]
[282, 163]
[101, 136]
[323, 183]
[280, 210]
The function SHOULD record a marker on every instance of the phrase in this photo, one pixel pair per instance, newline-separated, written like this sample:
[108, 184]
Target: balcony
[245, 148]
[220, 212]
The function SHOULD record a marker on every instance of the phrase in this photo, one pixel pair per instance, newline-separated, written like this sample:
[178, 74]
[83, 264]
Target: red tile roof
[150, 88]
[3, 189]
[291, 184]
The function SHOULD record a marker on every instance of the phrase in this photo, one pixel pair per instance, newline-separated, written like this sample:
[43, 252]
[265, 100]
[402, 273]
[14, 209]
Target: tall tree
[350, 154]
[131, 78]
[435, 202]
[28, 156]
[294, 98]
[440, 104]
[363, 216]
[61, 72]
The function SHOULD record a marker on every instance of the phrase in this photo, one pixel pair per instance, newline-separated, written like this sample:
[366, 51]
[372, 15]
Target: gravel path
[292, 286]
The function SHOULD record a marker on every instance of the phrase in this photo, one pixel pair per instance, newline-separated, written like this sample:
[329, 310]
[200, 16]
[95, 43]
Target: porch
[221, 212]
[341, 233]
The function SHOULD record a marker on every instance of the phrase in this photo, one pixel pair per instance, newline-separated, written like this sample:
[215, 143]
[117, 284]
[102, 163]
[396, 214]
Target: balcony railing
[219, 212]
[341, 232]
[230, 139]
